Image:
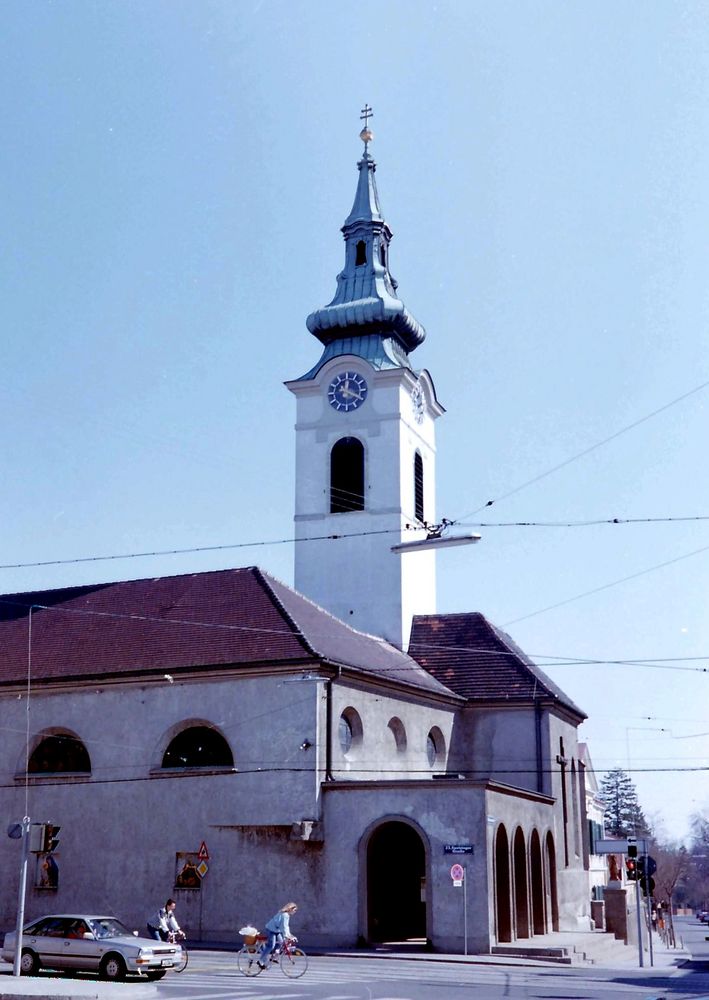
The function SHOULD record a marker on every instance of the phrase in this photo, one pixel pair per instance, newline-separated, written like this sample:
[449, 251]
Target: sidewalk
[577, 948]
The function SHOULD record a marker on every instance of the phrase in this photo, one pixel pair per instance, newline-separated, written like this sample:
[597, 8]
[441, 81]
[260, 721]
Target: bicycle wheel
[294, 962]
[181, 965]
[247, 961]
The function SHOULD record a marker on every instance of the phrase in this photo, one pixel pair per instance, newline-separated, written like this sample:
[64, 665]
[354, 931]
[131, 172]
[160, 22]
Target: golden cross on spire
[366, 135]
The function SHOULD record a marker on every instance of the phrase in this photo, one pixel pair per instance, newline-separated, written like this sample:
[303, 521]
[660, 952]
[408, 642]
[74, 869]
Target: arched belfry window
[382, 255]
[361, 253]
[198, 746]
[347, 476]
[418, 487]
[58, 754]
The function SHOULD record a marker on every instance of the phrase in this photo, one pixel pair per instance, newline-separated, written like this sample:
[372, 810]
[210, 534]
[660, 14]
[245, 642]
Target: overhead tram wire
[586, 451]
[264, 543]
[607, 586]
[51, 777]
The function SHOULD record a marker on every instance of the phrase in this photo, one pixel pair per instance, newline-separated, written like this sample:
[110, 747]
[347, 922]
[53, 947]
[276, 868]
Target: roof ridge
[264, 579]
[102, 584]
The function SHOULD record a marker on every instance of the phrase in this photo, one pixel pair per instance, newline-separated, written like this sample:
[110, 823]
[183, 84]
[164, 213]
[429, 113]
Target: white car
[92, 943]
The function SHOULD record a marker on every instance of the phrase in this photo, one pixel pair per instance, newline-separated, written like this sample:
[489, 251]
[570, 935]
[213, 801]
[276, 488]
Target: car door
[81, 950]
[47, 940]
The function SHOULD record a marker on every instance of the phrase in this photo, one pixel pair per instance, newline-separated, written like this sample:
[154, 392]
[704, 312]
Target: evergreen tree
[623, 816]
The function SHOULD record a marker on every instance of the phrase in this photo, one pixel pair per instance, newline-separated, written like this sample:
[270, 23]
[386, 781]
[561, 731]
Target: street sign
[202, 869]
[203, 853]
[458, 849]
[457, 873]
[619, 846]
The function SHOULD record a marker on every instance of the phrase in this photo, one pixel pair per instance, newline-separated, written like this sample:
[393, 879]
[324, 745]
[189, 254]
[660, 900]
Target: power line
[579, 524]
[607, 586]
[290, 540]
[423, 772]
[586, 451]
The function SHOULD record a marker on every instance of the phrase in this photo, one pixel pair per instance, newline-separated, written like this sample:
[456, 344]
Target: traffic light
[646, 869]
[631, 869]
[50, 838]
[631, 863]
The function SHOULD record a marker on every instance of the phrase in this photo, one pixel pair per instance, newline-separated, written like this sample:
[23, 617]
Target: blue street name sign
[458, 849]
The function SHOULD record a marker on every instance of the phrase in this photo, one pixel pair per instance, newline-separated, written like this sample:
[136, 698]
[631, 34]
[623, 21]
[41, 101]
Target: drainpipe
[328, 727]
[538, 742]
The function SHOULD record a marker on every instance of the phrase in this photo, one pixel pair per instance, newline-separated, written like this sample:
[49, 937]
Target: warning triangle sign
[203, 853]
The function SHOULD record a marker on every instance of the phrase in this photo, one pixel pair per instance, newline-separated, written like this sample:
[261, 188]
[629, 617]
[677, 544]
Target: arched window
[382, 255]
[198, 746]
[435, 746]
[361, 256]
[58, 754]
[396, 727]
[418, 487]
[346, 476]
[350, 730]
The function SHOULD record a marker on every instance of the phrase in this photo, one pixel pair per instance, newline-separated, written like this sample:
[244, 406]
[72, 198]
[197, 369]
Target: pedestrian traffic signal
[50, 838]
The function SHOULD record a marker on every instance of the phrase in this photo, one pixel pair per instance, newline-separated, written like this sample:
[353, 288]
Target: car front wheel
[154, 975]
[29, 963]
[113, 967]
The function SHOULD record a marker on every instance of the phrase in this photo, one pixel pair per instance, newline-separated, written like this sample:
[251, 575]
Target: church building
[233, 742]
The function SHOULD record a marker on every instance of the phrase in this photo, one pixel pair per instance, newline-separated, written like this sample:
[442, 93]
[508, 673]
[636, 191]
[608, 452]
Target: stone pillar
[616, 913]
[598, 914]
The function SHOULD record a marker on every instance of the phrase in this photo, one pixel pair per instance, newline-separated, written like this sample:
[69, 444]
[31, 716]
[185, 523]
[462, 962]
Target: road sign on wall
[457, 873]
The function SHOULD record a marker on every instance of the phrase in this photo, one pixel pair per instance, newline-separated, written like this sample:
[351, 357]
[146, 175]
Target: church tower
[365, 441]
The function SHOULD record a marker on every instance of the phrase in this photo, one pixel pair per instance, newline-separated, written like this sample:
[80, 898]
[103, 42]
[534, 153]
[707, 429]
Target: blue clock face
[347, 391]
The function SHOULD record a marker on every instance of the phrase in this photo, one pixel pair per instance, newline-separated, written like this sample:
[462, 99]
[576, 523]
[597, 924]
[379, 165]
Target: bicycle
[173, 937]
[292, 960]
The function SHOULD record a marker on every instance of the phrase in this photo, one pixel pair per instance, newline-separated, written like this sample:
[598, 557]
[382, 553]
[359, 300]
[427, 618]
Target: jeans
[154, 932]
[273, 939]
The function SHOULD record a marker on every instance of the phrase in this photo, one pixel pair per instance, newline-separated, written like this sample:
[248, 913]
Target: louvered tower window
[418, 487]
[346, 476]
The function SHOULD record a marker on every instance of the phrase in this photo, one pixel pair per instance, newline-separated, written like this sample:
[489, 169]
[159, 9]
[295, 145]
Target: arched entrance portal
[520, 876]
[552, 899]
[537, 880]
[396, 870]
[502, 886]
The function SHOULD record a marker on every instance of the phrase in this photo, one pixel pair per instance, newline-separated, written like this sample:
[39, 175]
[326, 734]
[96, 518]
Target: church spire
[366, 304]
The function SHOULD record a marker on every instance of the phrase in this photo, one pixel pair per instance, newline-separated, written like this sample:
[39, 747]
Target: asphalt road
[213, 975]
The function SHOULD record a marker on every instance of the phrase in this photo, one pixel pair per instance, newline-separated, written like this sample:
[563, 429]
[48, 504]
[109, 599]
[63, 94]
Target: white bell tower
[365, 441]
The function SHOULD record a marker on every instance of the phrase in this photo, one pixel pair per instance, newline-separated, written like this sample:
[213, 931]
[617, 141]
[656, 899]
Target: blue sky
[175, 175]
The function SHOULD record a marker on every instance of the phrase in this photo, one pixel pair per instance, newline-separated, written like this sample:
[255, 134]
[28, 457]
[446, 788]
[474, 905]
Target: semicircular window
[198, 746]
[59, 754]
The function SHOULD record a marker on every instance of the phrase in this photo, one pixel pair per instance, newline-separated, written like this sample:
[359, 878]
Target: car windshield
[108, 927]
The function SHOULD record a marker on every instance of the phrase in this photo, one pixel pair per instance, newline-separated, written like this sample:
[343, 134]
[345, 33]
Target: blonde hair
[289, 907]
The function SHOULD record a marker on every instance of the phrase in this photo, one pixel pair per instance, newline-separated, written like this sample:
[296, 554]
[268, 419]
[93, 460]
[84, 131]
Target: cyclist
[163, 923]
[278, 927]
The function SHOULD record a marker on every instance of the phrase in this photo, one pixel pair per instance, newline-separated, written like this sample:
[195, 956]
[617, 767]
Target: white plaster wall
[358, 578]
[376, 756]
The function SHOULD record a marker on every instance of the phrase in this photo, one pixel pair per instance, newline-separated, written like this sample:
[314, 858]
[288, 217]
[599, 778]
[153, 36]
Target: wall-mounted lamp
[305, 745]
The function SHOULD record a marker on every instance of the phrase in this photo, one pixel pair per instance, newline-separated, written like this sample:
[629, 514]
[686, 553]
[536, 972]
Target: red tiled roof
[168, 624]
[479, 661]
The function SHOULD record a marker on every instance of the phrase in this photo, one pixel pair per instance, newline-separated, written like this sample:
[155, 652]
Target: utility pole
[21, 896]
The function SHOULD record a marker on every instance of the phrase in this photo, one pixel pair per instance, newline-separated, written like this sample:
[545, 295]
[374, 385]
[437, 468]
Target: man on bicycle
[163, 923]
[278, 927]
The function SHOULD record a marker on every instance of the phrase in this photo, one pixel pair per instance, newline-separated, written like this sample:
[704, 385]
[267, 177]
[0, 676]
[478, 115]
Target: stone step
[562, 955]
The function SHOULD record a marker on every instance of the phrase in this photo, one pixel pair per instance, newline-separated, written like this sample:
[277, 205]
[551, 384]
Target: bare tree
[674, 865]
